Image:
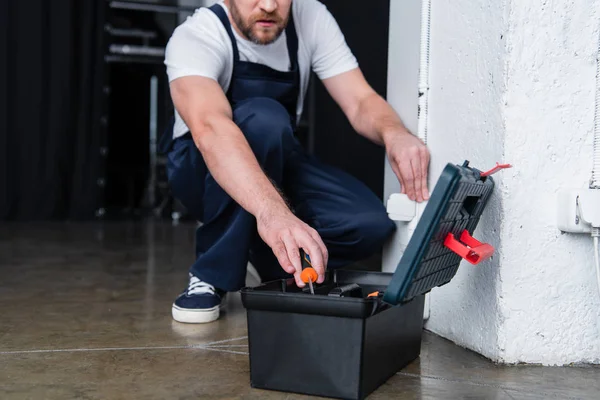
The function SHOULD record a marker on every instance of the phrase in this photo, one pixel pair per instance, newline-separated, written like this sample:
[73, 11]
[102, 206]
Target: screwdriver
[308, 275]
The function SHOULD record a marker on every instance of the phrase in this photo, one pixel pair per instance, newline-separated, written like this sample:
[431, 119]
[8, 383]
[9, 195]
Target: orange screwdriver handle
[308, 272]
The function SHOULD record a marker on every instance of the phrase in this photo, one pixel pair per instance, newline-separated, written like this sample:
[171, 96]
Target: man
[238, 73]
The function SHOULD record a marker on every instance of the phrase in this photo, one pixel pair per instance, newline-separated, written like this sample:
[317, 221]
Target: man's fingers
[424, 167]
[317, 238]
[416, 168]
[408, 177]
[311, 247]
[293, 254]
[282, 257]
[397, 172]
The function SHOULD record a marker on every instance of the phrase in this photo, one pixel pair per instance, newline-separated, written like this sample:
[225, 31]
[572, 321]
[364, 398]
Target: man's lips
[265, 23]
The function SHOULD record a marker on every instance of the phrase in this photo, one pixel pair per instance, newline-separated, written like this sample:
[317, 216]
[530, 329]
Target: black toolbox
[347, 345]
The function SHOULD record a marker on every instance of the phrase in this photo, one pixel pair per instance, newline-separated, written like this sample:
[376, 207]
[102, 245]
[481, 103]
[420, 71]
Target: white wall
[513, 80]
[466, 98]
[550, 304]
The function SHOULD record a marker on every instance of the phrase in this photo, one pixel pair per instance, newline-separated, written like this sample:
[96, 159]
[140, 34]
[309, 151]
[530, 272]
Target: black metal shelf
[151, 7]
[112, 59]
[132, 57]
[131, 33]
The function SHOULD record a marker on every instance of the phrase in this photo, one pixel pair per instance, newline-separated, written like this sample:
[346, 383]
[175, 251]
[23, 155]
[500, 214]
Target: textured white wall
[466, 98]
[550, 301]
[514, 81]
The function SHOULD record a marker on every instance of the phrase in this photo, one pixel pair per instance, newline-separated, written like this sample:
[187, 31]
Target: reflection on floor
[86, 315]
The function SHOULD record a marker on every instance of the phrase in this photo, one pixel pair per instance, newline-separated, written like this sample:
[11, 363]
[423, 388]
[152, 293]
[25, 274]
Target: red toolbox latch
[470, 249]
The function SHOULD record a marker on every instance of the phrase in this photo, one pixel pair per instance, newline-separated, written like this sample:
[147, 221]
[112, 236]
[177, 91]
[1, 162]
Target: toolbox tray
[283, 295]
[346, 347]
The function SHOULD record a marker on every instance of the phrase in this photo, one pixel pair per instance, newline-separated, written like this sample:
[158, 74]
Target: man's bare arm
[369, 114]
[372, 117]
[204, 108]
[207, 113]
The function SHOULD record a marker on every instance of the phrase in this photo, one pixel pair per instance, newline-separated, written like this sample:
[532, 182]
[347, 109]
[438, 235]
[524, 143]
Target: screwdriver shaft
[310, 285]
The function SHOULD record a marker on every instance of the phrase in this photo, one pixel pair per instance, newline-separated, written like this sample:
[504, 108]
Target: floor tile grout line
[100, 349]
[225, 341]
[192, 346]
[508, 394]
[505, 388]
[225, 351]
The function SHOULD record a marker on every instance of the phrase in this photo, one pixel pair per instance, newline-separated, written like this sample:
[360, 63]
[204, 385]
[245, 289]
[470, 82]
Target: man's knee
[371, 231]
[265, 123]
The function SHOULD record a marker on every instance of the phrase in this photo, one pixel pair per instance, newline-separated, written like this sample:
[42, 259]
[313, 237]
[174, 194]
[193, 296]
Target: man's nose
[268, 6]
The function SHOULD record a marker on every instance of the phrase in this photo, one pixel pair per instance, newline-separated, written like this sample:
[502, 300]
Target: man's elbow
[207, 129]
[203, 131]
[362, 109]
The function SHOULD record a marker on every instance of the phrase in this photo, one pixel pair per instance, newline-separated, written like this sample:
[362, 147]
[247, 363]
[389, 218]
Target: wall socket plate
[401, 208]
[576, 209]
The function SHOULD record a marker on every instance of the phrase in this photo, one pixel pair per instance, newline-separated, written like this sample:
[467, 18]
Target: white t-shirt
[200, 46]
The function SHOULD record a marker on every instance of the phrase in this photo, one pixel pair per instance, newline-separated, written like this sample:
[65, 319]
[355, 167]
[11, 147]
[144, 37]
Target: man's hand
[285, 234]
[409, 158]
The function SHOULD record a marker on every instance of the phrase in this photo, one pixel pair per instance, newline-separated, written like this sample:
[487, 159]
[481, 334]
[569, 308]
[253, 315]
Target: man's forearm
[234, 167]
[376, 120]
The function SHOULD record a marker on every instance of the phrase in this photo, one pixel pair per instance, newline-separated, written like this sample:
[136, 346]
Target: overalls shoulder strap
[292, 40]
[220, 12]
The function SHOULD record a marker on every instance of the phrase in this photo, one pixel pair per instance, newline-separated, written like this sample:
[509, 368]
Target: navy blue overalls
[349, 217]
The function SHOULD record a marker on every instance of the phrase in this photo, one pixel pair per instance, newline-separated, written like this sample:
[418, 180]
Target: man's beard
[246, 27]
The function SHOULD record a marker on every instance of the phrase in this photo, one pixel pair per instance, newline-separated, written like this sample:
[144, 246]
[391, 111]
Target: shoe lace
[197, 286]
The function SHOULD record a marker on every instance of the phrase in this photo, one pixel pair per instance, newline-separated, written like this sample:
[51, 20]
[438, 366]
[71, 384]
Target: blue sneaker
[200, 303]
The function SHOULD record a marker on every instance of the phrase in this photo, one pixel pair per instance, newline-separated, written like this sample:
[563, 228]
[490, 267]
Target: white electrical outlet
[578, 210]
[401, 208]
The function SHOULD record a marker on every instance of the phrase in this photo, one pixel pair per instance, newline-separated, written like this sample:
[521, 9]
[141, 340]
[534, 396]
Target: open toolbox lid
[443, 236]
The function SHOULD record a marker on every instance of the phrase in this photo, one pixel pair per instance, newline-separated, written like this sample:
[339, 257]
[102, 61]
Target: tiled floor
[85, 314]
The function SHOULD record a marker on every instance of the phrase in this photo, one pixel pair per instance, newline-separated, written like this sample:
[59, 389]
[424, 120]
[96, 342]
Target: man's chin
[264, 37]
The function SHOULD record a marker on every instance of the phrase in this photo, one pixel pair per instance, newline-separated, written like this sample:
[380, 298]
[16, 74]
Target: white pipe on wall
[424, 70]
[423, 118]
[595, 182]
[423, 111]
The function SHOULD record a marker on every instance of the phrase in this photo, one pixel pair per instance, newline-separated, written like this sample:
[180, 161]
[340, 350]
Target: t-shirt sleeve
[196, 49]
[331, 55]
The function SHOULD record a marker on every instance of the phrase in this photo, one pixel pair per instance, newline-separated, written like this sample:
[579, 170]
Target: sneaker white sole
[188, 316]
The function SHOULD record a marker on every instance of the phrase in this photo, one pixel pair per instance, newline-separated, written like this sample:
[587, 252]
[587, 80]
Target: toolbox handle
[469, 248]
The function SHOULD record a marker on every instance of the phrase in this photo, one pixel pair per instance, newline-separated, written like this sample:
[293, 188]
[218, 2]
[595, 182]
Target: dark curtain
[50, 112]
